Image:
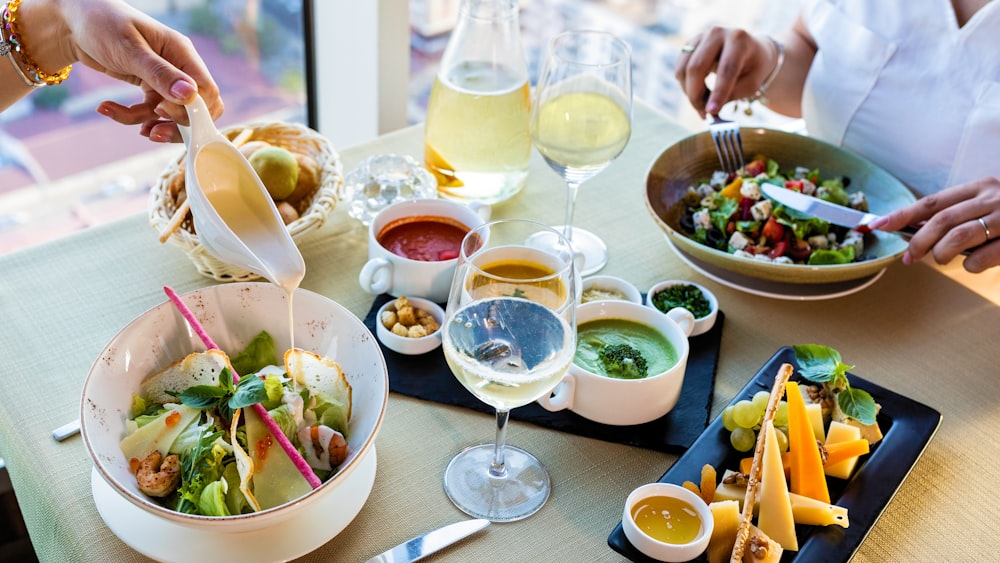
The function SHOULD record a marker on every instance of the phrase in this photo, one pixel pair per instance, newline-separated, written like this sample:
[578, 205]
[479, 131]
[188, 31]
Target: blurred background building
[64, 168]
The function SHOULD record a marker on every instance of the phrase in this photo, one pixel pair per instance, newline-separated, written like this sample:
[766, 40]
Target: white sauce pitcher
[234, 216]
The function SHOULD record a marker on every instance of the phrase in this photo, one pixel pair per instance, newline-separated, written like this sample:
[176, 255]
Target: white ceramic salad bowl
[232, 315]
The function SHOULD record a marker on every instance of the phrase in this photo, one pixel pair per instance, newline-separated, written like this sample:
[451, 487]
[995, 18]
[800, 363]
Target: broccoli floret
[623, 361]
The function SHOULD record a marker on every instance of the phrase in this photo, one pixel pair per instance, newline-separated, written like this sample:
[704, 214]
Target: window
[64, 167]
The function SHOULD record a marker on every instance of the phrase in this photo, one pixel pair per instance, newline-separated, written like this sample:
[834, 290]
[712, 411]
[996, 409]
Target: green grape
[743, 439]
[727, 419]
[760, 399]
[781, 415]
[745, 414]
[782, 435]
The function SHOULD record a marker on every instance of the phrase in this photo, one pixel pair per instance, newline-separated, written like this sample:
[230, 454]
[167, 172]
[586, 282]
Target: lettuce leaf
[212, 501]
[284, 417]
[259, 354]
[236, 503]
[843, 255]
[332, 413]
[202, 465]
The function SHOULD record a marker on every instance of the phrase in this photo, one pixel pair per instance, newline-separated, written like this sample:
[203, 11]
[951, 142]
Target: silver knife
[821, 209]
[422, 546]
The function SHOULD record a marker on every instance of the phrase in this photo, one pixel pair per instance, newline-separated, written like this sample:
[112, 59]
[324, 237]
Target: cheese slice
[805, 510]
[808, 478]
[815, 411]
[842, 432]
[725, 522]
[159, 434]
[276, 479]
[775, 512]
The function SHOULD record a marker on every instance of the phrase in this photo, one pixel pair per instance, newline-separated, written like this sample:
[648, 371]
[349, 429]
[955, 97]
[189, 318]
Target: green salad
[197, 445]
[730, 213]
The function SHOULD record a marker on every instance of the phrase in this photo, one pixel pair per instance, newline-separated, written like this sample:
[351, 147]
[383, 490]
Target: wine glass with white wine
[582, 119]
[509, 335]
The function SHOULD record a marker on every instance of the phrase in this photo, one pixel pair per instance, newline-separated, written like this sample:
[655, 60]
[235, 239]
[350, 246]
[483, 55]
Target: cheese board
[907, 425]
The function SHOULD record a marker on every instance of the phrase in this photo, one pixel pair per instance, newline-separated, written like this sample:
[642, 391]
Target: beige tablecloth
[915, 331]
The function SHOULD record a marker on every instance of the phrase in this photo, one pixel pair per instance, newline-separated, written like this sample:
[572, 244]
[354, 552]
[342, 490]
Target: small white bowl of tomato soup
[667, 522]
[413, 247]
[698, 299]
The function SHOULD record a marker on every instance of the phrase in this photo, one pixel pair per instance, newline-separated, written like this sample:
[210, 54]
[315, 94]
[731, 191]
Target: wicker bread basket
[313, 205]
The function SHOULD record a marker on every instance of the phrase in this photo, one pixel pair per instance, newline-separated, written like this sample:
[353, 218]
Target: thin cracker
[753, 479]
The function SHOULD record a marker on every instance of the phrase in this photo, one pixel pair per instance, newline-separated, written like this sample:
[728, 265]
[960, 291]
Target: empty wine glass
[509, 335]
[582, 119]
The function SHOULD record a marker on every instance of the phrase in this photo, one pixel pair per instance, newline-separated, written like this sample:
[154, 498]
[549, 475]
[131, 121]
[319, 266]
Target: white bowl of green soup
[629, 364]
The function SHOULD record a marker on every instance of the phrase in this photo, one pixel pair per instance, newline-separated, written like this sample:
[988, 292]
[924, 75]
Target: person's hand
[959, 218]
[120, 41]
[741, 62]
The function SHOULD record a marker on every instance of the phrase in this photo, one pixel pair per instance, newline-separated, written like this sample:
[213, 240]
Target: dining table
[924, 335]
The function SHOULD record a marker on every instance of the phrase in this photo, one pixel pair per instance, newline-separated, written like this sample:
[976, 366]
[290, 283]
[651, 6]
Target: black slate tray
[907, 427]
[428, 377]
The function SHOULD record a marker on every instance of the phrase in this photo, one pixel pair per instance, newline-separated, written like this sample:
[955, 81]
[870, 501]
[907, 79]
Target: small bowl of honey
[667, 522]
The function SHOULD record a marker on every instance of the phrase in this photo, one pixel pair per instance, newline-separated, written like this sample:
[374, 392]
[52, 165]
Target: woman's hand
[959, 218]
[122, 42]
[741, 62]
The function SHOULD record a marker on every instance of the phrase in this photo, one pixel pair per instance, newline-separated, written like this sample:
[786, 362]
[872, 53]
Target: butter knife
[422, 546]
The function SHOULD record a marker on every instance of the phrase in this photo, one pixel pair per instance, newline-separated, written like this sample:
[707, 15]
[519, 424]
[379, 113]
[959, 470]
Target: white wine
[476, 139]
[581, 131]
[508, 352]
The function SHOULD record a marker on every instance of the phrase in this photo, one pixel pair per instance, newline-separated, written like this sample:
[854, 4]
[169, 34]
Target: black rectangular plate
[907, 426]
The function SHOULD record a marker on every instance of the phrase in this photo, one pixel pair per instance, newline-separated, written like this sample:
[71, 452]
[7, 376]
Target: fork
[728, 143]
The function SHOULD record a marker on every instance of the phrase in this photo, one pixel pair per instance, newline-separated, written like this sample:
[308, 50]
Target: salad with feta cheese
[196, 447]
[729, 213]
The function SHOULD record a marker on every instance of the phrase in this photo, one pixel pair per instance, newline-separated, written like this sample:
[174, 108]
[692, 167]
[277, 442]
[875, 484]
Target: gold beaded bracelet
[11, 41]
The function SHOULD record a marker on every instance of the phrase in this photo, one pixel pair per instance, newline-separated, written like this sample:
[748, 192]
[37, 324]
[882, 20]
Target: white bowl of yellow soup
[610, 387]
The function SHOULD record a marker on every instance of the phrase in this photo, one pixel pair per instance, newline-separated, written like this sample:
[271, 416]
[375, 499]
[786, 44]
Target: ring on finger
[688, 48]
[986, 228]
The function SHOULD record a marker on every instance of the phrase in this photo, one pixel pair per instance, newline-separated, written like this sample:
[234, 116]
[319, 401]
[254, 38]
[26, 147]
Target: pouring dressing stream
[234, 215]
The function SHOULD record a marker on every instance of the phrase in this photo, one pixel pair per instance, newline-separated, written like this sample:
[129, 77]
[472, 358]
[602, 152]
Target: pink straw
[293, 454]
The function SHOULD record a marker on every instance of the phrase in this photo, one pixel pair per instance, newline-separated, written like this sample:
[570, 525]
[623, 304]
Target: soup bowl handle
[376, 276]
[561, 396]
[682, 318]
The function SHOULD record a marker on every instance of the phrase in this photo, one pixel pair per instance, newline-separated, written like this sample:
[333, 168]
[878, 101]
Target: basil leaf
[249, 391]
[201, 396]
[226, 380]
[817, 363]
[857, 404]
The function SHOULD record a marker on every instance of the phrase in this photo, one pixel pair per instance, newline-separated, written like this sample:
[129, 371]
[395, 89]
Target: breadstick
[243, 137]
[175, 220]
[753, 479]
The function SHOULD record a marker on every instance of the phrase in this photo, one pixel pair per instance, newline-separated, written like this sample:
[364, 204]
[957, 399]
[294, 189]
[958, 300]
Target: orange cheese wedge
[806, 465]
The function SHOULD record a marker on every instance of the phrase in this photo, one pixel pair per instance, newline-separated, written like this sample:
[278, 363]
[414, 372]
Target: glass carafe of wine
[476, 140]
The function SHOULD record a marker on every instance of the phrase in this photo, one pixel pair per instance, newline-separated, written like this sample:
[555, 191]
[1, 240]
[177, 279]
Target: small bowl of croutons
[410, 325]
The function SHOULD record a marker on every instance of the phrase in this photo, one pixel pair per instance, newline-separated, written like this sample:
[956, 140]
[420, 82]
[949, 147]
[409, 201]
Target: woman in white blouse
[912, 86]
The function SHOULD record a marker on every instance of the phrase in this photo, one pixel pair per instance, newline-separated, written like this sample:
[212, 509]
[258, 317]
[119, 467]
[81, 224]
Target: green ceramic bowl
[694, 157]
